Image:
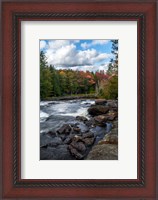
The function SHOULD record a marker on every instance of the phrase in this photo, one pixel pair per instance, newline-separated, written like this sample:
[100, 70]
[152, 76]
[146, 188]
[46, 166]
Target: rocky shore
[92, 138]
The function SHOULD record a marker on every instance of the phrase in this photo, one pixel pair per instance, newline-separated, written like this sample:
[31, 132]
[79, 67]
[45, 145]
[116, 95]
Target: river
[53, 115]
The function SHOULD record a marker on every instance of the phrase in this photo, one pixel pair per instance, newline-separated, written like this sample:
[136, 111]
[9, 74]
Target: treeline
[55, 83]
[66, 82]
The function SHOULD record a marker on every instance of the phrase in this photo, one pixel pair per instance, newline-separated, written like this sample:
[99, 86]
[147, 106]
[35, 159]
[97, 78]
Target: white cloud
[86, 45]
[64, 54]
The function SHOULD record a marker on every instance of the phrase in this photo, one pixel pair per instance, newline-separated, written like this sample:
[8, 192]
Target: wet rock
[100, 101]
[55, 142]
[98, 110]
[76, 129]
[45, 154]
[88, 135]
[77, 138]
[60, 152]
[65, 129]
[52, 134]
[45, 140]
[88, 141]
[81, 118]
[101, 120]
[112, 104]
[79, 146]
[75, 153]
[112, 115]
[90, 123]
[68, 140]
[103, 152]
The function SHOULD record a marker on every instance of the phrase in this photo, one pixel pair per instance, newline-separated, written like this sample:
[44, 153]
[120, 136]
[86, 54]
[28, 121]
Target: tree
[56, 91]
[113, 65]
[45, 77]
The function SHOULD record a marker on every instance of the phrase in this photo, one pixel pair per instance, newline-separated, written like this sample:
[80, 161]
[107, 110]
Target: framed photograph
[79, 100]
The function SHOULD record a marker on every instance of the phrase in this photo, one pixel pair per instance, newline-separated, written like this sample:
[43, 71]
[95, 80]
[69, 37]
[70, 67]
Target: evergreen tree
[45, 77]
[113, 65]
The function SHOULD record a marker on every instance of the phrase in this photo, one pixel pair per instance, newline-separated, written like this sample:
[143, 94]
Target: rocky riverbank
[92, 138]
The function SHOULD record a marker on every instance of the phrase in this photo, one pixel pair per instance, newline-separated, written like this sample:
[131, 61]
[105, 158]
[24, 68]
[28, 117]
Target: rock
[101, 120]
[51, 134]
[88, 141]
[114, 131]
[98, 110]
[45, 140]
[60, 152]
[81, 118]
[103, 152]
[68, 140]
[83, 128]
[115, 124]
[109, 139]
[45, 154]
[90, 123]
[78, 146]
[112, 104]
[88, 135]
[55, 142]
[77, 138]
[100, 101]
[65, 129]
[75, 153]
[112, 115]
[76, 129]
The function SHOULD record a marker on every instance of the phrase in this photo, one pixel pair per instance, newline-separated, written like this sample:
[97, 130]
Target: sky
[91, 55]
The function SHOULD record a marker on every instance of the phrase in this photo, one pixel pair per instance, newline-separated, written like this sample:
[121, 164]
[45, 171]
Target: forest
[67, 82]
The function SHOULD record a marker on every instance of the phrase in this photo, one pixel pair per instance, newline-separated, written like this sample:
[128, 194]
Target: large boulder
[100, 101]
[103, 152]
[98, 110]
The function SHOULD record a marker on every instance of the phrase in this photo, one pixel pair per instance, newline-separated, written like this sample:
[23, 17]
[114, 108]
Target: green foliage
[45, 77]
[113, 65]
[113, 87]
[109, 89]
[55, 83]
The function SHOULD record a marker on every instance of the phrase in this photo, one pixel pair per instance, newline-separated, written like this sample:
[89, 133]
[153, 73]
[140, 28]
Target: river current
[53, 114]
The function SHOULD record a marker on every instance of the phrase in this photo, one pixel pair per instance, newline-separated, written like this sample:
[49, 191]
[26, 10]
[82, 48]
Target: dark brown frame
[144, 187]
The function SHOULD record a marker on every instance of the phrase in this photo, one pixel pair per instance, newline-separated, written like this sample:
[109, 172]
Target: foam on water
[43, 116]
[92, 102]
[79, 112]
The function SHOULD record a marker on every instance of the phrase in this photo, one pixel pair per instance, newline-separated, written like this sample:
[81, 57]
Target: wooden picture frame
[144, 187]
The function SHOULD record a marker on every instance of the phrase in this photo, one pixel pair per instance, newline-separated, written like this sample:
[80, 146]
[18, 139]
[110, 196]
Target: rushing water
[53, 114]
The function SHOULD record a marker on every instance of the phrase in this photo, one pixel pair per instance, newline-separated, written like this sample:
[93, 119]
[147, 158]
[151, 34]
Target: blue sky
[83, 55]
